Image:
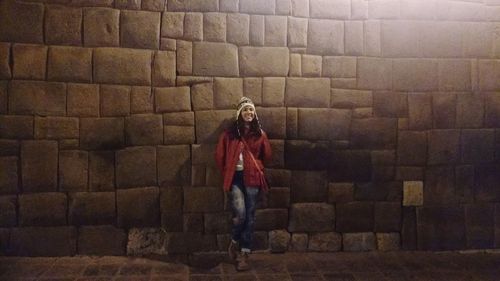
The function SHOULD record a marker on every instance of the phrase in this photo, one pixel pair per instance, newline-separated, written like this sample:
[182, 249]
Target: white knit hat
[244, 101]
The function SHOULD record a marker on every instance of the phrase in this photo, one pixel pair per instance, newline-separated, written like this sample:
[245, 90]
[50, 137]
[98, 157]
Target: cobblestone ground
[265, 267]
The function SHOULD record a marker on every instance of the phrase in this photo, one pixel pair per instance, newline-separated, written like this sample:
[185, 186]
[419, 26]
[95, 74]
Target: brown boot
[242, 262]
[232, 251]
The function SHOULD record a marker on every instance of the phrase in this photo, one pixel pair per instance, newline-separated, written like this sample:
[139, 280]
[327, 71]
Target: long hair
[238, 128]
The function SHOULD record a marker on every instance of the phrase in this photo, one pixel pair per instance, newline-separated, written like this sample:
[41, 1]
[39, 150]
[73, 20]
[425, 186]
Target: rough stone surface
[307, 92]
[144, 241]
[56, 128]
[172, 25]
[339, 67]
[373, 133]
[306, 155]
[297, 32]
[390, 104]
[205, 199]
[412, 148]
[388, 241]
[269, 219]
[44, 241]
[279, 241]
[101, 240]
[141, 100]
[114, 65]
[136, 166]
[63, 25]
[214, 27]
[144, 129]
[42, 209]
[140, 29]
[492, 105]
[441, 228]
[193, 26]
[275, 31]
[8, 212]
[138, 207]
[114, 100]
[193, 5]
[101, 133]
[30, 61]
[69, 64]
[311, 217]
[238, 29]
[83, 100]
[14, 27]
[211, 124]
[470, 110]
[338, 9]
[9, 180]
[340, 192]
[374, 73]
[91, 208]
[298, 242]
[273, 91]
[477, 146]
[336, 126]
[174, 164]
[444, 146]
[325, 242]
[39, 165]
[73, 170]
[341, 98]
[226, 91]
[419, 111]
[479, 226]
[358, 242]
[258, 7]
[164, 69]
[101, 27]
[257, 30]
[387, 217]
[415, 75]
[325, 37]
[413, 192]
[267, 61]
[37, 97]
[172, 99]
[354, 217]
[101, 171]
[16, 127]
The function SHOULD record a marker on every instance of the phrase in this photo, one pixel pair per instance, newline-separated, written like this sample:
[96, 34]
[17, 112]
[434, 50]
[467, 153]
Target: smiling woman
[241, 150]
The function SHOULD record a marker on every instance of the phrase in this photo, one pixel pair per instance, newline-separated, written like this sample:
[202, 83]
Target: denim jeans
[243, 201]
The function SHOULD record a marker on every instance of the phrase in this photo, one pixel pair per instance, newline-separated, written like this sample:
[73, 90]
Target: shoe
[233, 250]
[242, 262]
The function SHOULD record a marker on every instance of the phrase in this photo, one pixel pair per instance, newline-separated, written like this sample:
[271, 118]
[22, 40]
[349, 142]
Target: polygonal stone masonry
[30, 61]
[37, 97]
[63, 25]
[13, 24]
[73, 170]
[92, 208]
[140, 29]
[101, 27]
[413, 193]
[43, 209]
[136, 166]
[111, 65]
[138, 207]
[359, 242]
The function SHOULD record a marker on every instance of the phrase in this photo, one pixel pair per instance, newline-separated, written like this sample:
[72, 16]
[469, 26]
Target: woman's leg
[237, 197]
[251, 197]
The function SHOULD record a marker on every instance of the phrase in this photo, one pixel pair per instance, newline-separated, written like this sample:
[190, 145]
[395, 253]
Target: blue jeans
[243, 201]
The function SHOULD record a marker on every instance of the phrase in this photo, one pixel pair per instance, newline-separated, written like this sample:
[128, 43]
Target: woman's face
[248, 113]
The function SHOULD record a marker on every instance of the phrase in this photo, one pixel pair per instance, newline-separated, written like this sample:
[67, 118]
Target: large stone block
[297, 32]
[210, 124]
[264, 61]
[101, 240]
[138, 207]
[390, 104]
[340, 192]
[114, 100]
[325, 37]
[144, 129]
[69, 64]
[16, 127]
[258, 7]
[92, 208]
[359, 242]
[193, 5]
[83, 100]
[489, 71]
[43, 241]
[37, 97]
[202, 96]
[141, 100]
[172, 99]
[312, 217]
[375, 73]
[122, 66]
[278, 177]
[275, 32]
[455, 75]
[273, 91]
[73, 170]
[145, 241]
[227, 91]
[30, 61]
[419, 111]
[273, 120]
[101, 171]
[354, 217]
[372, 44]
[339, 67]
[214, 27]
[442, 39]
[325, 242]
[439, 186]
[354, 38]
[441, 228]
[409, 229]
[4, 97]
[444, 147]
[412, 148]
[193, 27]
[140, 29]
[42, 209]
[257, 30]
[136, 166]
[307, 92]
[373, 133]
[306, 155]
[337, 9]
[190, 242]
[279, 197]
[349, 165]
[13, 24]
[172, 25]
[164, 69]
[311, 65]
[8, 212]
[63, 25]
[39, 166]
[171, 199]
[279, 241]
[174, 163]
[101, 133]
[203, 199]
[470, 110]
[444, 110]
[9, 147]
[387, 217]
[400, 38]
[486, 183]
[323, 124]
[9, 180]
[269, 219]
[479, 226]
[477, 39]
[492, 107]
[238, 29]
[56, 128]
[477, 146]
[308, 186]
[415, 75]
[101, 27]
[378, 190]
[341, 98]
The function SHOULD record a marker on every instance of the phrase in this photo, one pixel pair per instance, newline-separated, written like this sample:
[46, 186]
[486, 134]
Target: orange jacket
[228, 150]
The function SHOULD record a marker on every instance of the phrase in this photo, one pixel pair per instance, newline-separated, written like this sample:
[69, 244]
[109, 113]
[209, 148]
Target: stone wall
[383, 115]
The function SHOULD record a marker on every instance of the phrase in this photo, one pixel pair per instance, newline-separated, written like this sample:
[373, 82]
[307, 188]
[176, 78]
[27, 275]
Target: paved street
[265, 267]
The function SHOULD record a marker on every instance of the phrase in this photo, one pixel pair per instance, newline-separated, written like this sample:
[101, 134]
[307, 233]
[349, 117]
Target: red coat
[227, 153]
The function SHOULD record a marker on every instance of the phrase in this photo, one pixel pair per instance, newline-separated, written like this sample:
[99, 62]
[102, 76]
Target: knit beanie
[244, 101]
